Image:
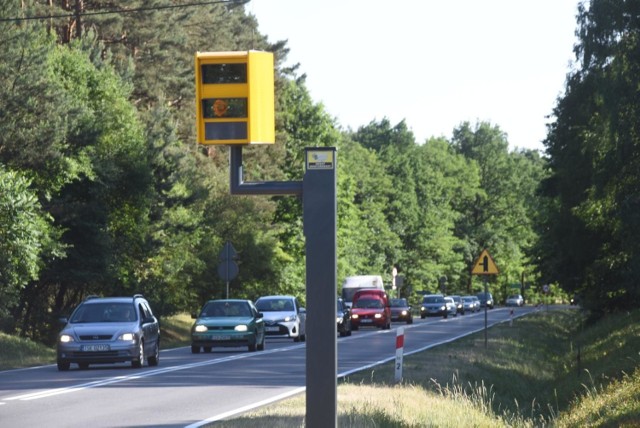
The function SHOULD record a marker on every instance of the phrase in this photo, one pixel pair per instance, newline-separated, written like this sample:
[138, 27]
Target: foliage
[591, 243]
[97, 115]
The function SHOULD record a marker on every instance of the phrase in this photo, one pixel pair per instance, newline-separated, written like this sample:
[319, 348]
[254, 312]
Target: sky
[432, 63]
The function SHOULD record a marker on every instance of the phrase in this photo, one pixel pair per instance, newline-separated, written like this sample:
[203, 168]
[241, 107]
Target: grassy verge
[17, 352]
[529, 375]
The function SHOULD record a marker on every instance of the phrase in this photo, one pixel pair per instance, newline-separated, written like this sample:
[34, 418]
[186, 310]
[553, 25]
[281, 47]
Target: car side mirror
[148, 320]
[302, 311]
[259, 315]
[194, 315]
[63, 320]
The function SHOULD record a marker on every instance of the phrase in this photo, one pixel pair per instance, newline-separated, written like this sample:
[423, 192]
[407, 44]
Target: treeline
[104, 190]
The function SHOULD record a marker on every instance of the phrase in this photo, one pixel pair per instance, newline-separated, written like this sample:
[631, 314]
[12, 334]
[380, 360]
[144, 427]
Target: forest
[105, 191]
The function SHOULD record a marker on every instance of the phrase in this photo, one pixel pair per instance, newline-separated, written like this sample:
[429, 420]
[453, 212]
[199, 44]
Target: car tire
[422, 316]
[63, 366]
[355, 327]
[83, 366]
[138, 362]
[410, 320]
[195, 349]
[154, 359]
[252, 347]
[261, 345]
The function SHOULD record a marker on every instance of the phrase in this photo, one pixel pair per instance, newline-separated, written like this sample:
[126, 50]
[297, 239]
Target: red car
[370, 308]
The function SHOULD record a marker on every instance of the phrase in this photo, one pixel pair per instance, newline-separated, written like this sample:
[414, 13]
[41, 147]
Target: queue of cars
[123, 329]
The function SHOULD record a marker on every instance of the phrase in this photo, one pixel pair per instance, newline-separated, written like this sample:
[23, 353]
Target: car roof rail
[137, 296]
[91, 296]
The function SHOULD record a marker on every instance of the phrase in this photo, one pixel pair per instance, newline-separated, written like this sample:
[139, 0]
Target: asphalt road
[188, 389]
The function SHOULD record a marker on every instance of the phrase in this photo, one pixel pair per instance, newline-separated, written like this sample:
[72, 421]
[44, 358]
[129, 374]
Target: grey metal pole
[320, 229]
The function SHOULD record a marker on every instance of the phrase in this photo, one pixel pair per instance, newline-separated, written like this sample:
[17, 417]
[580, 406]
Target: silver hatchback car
[109, 330]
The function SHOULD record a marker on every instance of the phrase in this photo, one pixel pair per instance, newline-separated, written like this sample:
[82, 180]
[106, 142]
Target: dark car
[459, 304]
[433, 305]
[109, 330]
[227, 323]
[343, 318]
[401, 311]
[486, 299]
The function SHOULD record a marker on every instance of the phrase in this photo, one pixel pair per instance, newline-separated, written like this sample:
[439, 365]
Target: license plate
[272, 328]
[220, 338]
[95, 348]
[365, 321]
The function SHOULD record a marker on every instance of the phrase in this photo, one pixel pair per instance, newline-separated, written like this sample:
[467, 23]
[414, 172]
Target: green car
[227, 323]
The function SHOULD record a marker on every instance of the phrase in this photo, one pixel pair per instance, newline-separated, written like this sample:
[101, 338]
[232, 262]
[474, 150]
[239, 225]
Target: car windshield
[468, 299]
[368, 304]
[398, 302]
[226, 309]
[433, 299]
[275, 305]
[514, 297]
[104, 312]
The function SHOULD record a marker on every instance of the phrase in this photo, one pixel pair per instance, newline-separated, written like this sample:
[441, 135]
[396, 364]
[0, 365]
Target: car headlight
[126, 337]
[290, 318]
[339, 320]
[200, 328]
[354, 316]
[378, 316]
[423, 308]
[443, 308]
[241, 327]
[65, 338]
[404, 313]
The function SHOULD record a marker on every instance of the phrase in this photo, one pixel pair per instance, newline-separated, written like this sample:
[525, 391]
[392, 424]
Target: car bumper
[289, 329]
[225, 339]
[115, 353]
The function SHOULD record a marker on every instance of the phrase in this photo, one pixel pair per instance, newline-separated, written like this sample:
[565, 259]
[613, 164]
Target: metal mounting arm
[237, 185]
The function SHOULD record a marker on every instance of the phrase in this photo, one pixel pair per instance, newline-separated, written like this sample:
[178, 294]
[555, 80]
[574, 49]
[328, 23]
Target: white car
[283, 316]
[515, 300]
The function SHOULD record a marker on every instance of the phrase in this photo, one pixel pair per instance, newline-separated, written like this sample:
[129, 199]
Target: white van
[352, 284]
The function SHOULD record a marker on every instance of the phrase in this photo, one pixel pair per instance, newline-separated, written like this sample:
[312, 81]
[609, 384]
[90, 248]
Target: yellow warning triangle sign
[484, 265]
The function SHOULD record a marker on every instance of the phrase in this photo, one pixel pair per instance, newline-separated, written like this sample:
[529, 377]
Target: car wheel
[154, 359]
[195, 349]
[422, 316]
[63, 366]
[355, 327]
[83, 366]
[252, 347]
[206, 349]
[261, 344]
[137, 363]
[410, 321]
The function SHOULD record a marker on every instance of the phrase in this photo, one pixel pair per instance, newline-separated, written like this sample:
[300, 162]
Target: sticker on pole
[484, 265]
[320, 159]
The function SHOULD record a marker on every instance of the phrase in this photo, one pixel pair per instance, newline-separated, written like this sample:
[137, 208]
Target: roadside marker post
[399, 353]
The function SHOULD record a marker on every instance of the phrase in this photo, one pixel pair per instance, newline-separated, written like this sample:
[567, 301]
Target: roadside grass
[175, 331]
[16, 352]
[529, 375]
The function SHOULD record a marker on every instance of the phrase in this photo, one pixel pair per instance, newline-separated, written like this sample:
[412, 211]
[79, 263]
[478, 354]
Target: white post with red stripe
[399, 353]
